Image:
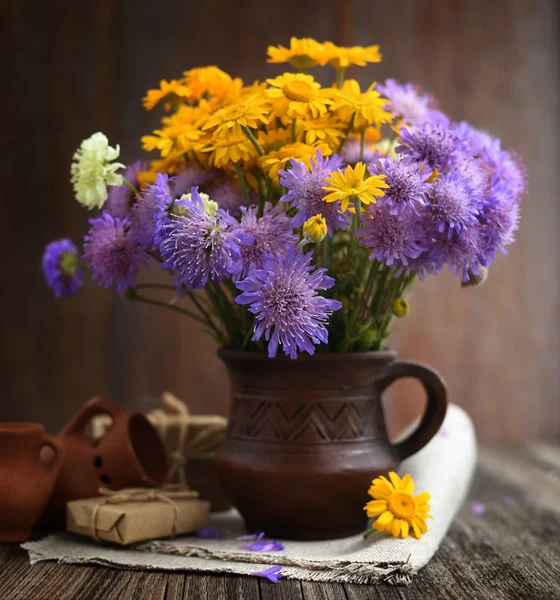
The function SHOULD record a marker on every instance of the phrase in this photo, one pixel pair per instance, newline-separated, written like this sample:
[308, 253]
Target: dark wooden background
[72, 68]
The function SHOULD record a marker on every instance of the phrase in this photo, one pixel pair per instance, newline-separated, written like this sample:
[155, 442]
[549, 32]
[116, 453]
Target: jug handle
[95, 406]
[56, 447]
[436, 405]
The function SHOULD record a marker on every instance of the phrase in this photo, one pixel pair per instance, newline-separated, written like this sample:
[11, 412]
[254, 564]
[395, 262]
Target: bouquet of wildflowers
[288, 215]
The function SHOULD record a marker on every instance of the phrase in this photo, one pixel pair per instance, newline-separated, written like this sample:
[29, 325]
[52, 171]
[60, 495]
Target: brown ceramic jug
[306, 437]
[29, 462]
[130, 453]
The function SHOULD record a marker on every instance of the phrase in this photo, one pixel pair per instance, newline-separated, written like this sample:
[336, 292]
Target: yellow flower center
[299, 91]
[402, 505]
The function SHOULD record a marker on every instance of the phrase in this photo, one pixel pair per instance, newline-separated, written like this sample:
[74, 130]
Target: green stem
[327, 250]
[356, 222]
[248, 335]
[362, 143]
[340, 77]
[130, 186]
[252, 139]
[346, 134]
[132, 295]
[294, 120]
[242, 181]
[369, 532]
[369, 286]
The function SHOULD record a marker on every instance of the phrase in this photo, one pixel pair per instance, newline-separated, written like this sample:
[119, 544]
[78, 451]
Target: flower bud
[315, 229]
[400, 307]
[475, 280]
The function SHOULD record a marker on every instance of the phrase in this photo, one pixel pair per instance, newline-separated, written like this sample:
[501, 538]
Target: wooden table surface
[512, 550]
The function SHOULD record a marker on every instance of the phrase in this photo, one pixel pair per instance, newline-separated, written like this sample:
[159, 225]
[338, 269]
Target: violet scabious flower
[507, 170]
[284, 297]
[272, 234]
[351, 153]
[474, 139]
[198, 248]
[62, 269]
[149, 213]
[121, 197]
[454, 204]
[229, 196]
[394, 239]
[114, 256]
[434, 145]
[407, 101]
[271, 573]
[407, 183]
[189, 176]
[500, 220]
[306, 193]
[463, 255]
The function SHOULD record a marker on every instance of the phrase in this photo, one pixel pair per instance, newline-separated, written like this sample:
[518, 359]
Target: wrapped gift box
[125, 518]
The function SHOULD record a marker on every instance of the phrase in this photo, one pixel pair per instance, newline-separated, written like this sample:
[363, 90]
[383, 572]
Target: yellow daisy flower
[341, 57]
[209, 81]
[324, 129]
[297, 95]
[250, 113]
[366, 108]
[168, 92]
[276, 159]
[350, 183]
[302, 53]
[396, 508]
[233, 146]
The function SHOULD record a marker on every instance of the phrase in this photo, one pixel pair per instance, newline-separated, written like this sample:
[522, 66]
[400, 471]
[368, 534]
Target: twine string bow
[167, 494]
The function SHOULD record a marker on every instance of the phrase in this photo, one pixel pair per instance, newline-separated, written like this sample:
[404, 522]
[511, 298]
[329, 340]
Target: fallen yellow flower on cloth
[397, 510]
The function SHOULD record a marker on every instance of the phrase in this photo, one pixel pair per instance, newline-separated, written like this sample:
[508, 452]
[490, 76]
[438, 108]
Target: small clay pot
[29, 462]
[129, 454]
[306, 437]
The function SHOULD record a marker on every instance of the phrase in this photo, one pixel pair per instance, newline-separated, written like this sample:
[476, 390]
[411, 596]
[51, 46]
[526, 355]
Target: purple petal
[254, 537]
[478, 508]
[208, 534]
[272, 574]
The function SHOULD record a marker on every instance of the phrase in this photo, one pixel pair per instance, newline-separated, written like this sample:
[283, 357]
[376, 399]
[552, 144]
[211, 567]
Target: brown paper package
[130, 522]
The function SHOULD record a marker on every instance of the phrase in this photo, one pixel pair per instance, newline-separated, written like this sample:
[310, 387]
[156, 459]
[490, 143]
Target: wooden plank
[211, 587]
[286, 589]
[175, 586]
[314, 590]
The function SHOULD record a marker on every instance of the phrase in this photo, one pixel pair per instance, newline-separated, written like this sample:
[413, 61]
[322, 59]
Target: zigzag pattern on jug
[326, 421]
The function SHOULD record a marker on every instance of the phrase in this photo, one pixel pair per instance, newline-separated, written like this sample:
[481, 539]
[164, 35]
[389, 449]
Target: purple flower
[264, 546]
[407, 101]
[463, 255]
[454, 204]
[229, 196]
[271, 233]
[351, 153]
[208, 534]
[121, 197]
[284, 296]
[113, 255]
[254, 537]
[61, 268]
[149, 213]
[306, 193]
[434, 145]
[507, 170]
[198, 248]
[407, 183]
[500, 221]
[474, 139]
[478, 508]
[395, 239]
[272, 574]
[191, 175]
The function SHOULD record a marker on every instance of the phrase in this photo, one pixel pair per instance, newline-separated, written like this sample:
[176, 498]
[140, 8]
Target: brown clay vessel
[129, 454]
[306, 437]
[29, 462]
